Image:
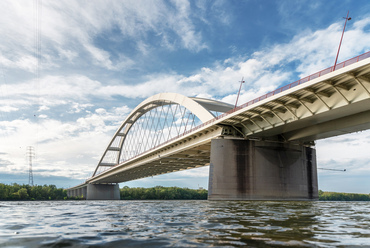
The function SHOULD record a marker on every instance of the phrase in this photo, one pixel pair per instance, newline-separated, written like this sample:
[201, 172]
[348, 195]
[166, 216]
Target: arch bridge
[263, 149]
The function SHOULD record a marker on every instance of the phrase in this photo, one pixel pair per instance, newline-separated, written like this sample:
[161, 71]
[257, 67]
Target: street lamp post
[340, 43]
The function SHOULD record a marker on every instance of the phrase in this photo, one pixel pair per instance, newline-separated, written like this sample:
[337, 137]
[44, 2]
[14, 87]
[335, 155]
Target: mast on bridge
[340, 43]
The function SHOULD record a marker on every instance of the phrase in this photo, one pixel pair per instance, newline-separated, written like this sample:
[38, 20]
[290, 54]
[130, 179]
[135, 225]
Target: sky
[71, 71]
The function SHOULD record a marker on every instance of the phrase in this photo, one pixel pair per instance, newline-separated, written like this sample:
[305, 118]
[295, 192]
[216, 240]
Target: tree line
[162, 193]
[26, 192]
[18, 192]
[334, 196]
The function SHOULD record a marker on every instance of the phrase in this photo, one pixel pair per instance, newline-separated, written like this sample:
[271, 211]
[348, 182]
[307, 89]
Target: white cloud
[346, 147]
[52, 91]
[309, 49]
[8, 109]
[263, 72]
[43, 108]
[67, 54]
[191, 178]
[65, 148]
[68, 30]
[100, 56]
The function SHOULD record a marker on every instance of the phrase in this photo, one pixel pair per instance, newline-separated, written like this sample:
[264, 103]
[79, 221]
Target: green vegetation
[19, 192]
[333, 196]
[163, 193]
[175, 193]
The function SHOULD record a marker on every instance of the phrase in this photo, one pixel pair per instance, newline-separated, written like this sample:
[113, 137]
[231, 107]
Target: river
[184, 224]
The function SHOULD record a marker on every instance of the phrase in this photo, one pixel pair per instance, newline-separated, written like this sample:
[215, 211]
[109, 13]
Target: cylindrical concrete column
[260, 170]
[102, 192]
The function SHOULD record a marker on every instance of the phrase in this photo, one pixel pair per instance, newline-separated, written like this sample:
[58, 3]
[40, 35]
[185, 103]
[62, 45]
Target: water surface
[184, 224]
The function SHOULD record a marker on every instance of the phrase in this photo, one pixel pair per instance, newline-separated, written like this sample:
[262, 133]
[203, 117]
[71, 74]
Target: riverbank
[25, 192]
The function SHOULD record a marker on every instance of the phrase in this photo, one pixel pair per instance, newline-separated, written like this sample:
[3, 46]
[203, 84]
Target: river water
[184, 224]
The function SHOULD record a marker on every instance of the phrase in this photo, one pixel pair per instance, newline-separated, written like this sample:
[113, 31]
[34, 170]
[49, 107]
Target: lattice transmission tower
[30, 155]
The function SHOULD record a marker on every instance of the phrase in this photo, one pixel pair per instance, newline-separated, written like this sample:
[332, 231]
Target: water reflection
[262, 223]
[184, 224]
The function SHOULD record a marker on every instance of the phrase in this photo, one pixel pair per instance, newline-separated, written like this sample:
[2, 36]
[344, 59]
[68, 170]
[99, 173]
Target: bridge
[261, 150]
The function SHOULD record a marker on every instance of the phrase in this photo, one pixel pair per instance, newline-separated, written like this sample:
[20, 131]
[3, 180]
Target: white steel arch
[202, 108]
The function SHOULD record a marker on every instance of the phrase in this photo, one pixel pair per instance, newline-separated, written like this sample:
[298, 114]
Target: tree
[23, 194]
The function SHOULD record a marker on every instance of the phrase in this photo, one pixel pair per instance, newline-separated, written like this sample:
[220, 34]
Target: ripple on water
[16, 227]
[184, 224]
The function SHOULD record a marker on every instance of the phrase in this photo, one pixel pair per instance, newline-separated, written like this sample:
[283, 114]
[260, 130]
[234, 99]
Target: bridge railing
[272, 93]
[298, 82]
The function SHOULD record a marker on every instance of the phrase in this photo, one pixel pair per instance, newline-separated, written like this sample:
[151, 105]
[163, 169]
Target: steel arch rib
[198, 108]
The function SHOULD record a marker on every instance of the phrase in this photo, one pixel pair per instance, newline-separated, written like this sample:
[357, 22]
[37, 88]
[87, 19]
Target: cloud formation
[71, 31]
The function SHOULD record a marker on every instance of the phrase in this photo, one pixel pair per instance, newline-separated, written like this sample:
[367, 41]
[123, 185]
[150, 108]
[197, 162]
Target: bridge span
[260, 150]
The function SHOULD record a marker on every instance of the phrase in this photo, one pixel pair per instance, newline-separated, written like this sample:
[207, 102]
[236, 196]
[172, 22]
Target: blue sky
[99, 59]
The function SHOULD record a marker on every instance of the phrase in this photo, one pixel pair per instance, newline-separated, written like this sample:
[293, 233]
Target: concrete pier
[260, 170]
[96, 192]
[80, 191]
[103, 192]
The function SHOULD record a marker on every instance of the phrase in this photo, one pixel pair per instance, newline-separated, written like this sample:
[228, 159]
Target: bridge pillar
[260, 170]
[78, 192]
[102, 192]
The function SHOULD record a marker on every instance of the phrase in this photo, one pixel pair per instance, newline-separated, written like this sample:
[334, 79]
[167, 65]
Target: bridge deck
[322, 105]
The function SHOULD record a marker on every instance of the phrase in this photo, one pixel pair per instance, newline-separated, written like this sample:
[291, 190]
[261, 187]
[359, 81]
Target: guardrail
[301, 81]
[279, 90]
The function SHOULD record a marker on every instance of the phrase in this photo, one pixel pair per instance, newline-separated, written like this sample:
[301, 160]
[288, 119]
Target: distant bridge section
[170, 132]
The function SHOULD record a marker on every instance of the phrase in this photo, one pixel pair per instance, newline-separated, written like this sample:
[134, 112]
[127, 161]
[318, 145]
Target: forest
[17, 192]
[26, 192]
[334, 196]
[163, 193]
[23, 192]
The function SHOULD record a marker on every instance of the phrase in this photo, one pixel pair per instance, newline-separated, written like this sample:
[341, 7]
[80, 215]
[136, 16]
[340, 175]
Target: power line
[331, 169]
